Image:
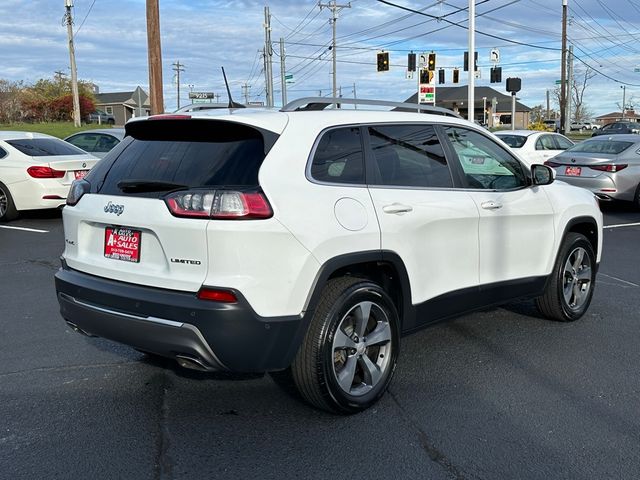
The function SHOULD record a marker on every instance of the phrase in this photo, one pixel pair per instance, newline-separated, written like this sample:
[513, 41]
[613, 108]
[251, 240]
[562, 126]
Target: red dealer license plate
[80, 174]
[121, 243]
[573, 171]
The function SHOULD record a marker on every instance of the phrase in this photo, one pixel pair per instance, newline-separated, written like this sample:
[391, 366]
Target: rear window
[194, 153]
[612, 147]
[44, 147]
[514, 141]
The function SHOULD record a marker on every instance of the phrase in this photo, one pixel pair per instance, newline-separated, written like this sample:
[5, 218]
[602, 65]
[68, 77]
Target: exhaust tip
[191, 363]
[77, 329]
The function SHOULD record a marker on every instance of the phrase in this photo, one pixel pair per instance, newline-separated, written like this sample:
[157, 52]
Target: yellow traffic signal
[431, 62]
[383, 61]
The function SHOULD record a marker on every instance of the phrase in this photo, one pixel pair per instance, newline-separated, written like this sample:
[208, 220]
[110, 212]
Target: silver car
[609, 166]
[97, 142]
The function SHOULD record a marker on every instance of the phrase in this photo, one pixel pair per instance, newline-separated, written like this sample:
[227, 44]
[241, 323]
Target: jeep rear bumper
[197, 333]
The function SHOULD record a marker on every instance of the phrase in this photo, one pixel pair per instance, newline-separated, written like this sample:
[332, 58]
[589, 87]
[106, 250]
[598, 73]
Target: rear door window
[409, 156]
[193, 153]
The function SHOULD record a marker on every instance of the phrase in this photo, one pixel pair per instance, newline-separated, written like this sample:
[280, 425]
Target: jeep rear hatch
[144, 216]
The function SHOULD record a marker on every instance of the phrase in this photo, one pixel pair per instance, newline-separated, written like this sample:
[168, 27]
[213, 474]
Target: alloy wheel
[577, 278]
[362, 348]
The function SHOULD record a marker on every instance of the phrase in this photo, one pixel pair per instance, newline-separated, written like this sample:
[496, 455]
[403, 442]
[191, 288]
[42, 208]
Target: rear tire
[636, 198]
[8, 210]
[350, 351]
[570, 288]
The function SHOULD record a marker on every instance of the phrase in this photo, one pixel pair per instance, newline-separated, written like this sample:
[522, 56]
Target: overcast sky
[111, 44]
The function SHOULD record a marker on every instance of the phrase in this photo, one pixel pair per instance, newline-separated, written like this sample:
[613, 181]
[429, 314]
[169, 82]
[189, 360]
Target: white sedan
[535, 146]
[36, 171]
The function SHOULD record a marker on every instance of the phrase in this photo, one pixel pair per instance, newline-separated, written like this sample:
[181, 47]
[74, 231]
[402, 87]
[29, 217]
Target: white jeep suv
[305, 242]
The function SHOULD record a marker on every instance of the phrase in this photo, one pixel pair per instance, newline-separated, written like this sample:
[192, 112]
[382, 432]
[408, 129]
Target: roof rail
[320, 103]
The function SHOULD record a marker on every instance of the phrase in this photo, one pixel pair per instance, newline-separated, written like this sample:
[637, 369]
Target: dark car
[617, 128]
[101, 117]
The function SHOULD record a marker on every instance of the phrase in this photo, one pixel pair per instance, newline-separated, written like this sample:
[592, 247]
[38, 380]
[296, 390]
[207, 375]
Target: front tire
[636, 198]
[569, 290]
[350, 351]
[8, 209]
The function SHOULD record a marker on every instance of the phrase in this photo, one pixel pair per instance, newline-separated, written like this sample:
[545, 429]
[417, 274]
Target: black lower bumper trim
[177, 324]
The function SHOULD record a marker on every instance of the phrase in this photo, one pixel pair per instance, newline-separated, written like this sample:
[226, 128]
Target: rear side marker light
[217, 295]
[219, 204]
[612, 168]
[45, 172]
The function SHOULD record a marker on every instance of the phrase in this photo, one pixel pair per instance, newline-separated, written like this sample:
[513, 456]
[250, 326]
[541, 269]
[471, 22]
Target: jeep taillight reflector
[217, 295]
[219, 204]
[45, 172]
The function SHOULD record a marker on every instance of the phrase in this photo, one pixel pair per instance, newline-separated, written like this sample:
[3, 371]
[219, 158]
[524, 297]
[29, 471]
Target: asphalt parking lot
[499, 394]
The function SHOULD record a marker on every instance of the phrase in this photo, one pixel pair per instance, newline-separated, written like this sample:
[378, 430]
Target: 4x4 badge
[114, 208]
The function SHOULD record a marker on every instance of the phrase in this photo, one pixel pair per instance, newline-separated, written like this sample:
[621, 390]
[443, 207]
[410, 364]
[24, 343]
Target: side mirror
[542, 175]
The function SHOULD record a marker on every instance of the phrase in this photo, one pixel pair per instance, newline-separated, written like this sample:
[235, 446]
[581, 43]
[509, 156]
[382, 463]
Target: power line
[85, 18]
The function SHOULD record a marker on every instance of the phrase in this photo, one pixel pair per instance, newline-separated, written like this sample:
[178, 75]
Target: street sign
[201, 95]
[288, 78]
[477, 74]
[494, 56]
[426, 86]
[423, 59]
[637, 69]
[558, 82]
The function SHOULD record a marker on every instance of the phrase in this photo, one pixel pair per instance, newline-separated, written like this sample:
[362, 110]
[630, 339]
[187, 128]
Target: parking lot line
[619, 279]
[623, 225]
[24, 229]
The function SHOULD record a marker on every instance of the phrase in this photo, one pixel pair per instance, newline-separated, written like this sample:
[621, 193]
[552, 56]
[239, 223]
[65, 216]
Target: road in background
[496, 394]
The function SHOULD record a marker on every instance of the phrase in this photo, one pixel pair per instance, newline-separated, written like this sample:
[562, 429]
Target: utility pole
[355, 97]
[245, 92]
[567, 127]
[154, 54]
[177, 67]
[563, 74]
[283, 72]
[548, 117]
[471, 100]
[624, 98]
[268, 57]
[335, 8]
[72, 60]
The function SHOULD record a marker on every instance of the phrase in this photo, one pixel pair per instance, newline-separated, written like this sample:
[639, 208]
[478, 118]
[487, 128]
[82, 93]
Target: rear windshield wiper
[131, 186]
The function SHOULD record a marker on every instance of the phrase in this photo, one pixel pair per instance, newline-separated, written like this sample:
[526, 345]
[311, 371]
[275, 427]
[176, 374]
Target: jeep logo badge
[114, 208]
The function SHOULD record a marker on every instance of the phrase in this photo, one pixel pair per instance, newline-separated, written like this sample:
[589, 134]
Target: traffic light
[431, 62]
[411, 62]
[496, 75]
[466, 61]
[424, 75]
[441, 76]
[456, 75]
[383, 61]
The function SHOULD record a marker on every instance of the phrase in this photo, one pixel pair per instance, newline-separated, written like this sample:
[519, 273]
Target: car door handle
[491, 205]
[397, 208]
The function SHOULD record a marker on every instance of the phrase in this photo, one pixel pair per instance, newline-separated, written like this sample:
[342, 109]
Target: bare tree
[581, 112]
[10, 101]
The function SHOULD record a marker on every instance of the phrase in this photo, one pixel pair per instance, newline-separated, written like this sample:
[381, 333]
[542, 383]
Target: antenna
[232, 104]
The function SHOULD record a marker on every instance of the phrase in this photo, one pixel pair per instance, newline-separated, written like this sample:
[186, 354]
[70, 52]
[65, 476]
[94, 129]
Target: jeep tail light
[45, 172]
[77, 190]
[217, 295]
[612, 167]
[219, 204]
